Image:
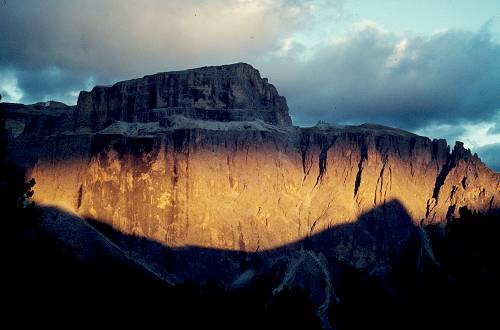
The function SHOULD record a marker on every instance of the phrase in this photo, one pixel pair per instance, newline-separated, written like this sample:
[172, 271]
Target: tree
[15, 192]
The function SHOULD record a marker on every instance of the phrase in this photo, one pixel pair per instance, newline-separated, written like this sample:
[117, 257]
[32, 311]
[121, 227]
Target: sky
[430, 67]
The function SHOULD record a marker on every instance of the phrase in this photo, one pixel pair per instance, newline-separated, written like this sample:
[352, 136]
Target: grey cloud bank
[408, 82]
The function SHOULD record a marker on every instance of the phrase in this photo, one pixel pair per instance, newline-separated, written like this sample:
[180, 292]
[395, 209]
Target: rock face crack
[431, 205]
[380, 182]
[323, 156]
[464, 182]
[79, 199]
[441, 178]
[456, 155]
[363, 158]
[306, 158]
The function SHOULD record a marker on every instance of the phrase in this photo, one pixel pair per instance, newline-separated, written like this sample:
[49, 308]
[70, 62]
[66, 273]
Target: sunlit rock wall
[257, 188]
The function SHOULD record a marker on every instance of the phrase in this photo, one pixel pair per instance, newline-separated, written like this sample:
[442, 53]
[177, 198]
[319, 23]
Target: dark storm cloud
[375, 76]
[50, 83]
[495, 129]
[490, 155]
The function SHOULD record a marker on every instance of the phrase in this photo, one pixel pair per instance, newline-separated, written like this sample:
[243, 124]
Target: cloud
[489, 154]
[371, 75]
[495, 124]
[112, 39]
[9, 88]
[474, 136]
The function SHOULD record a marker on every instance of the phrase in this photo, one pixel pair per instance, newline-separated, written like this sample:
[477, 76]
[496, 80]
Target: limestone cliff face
[362, 191]
[256, 187]
[208, 89]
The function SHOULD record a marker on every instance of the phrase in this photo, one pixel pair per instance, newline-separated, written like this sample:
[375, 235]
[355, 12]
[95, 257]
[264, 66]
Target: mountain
[200, 175]
[209, 93]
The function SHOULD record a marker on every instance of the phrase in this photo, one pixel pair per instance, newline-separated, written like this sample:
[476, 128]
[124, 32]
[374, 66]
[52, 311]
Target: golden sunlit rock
[258, 188]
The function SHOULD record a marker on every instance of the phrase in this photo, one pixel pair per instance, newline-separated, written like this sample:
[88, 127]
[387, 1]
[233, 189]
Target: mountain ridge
[182, 176]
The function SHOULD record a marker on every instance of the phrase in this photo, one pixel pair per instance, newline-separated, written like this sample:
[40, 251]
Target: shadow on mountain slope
[62, 266]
